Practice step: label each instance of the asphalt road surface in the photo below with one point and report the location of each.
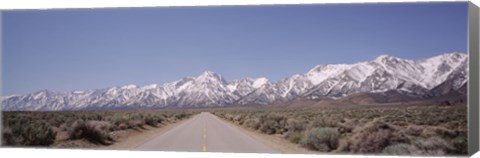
(206, 132)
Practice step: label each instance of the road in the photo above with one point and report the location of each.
(206, 132)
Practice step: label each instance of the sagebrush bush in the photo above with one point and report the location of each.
(238, 119)
(151, 120)
(252, 123)
(392, 129)
(433, 146)
(38, 128)
(401, 149)
(57, 121)
(294, 136)
(294, 125)
(321, 139)
(273, 123)
(371, 138)
(323, 122)
(7, 137)
(94, 131)
(36, 133)
(180, 116)
(135, 124)
(39, 133)
(413, 130)
(460, 145)
(438, 131)
(118, 119)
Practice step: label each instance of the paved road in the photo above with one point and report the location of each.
(206, 132)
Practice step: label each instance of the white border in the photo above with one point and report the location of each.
(74, 153)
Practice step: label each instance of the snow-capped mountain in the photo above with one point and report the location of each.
(424, 78)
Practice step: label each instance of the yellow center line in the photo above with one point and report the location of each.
(204, 149)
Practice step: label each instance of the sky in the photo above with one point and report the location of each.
(78, 49)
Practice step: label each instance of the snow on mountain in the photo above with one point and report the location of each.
(265, 94)
(208, 89)
(260, 82)
(422, 78)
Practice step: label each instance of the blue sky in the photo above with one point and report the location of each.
(64, 50)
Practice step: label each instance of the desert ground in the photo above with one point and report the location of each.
(436, 129)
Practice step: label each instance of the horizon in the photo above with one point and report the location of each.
(82, 49)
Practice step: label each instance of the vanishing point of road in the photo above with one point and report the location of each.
(206, 132)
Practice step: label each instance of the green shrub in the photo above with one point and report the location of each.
(321, 139)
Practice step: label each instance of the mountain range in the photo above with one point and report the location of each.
(386, 76)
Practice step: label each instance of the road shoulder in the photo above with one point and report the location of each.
(134, 139)
(274, 141)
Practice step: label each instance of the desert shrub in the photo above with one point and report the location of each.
(228, 117)
(134, 124)
(269, 126)
(460, 145)
(373, 137)
(401, 149)
(161, 119)
(238, 119)
(39, 133)
(321, 139)
(346, 126)
(35, 133)
(252, 123)
(294, 136)
(413, 130)
(94, 131)
(295, 125)
(273, 123)
(433, 131)
(57, 120)
(7, 137)
(122, 126)
(323, 122)
(118, 119)
(63, 127)
(433, 146)
(180, 115)
(38, 128)
(392, 129)
(151, 120)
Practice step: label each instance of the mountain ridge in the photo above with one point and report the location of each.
(424, 78)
